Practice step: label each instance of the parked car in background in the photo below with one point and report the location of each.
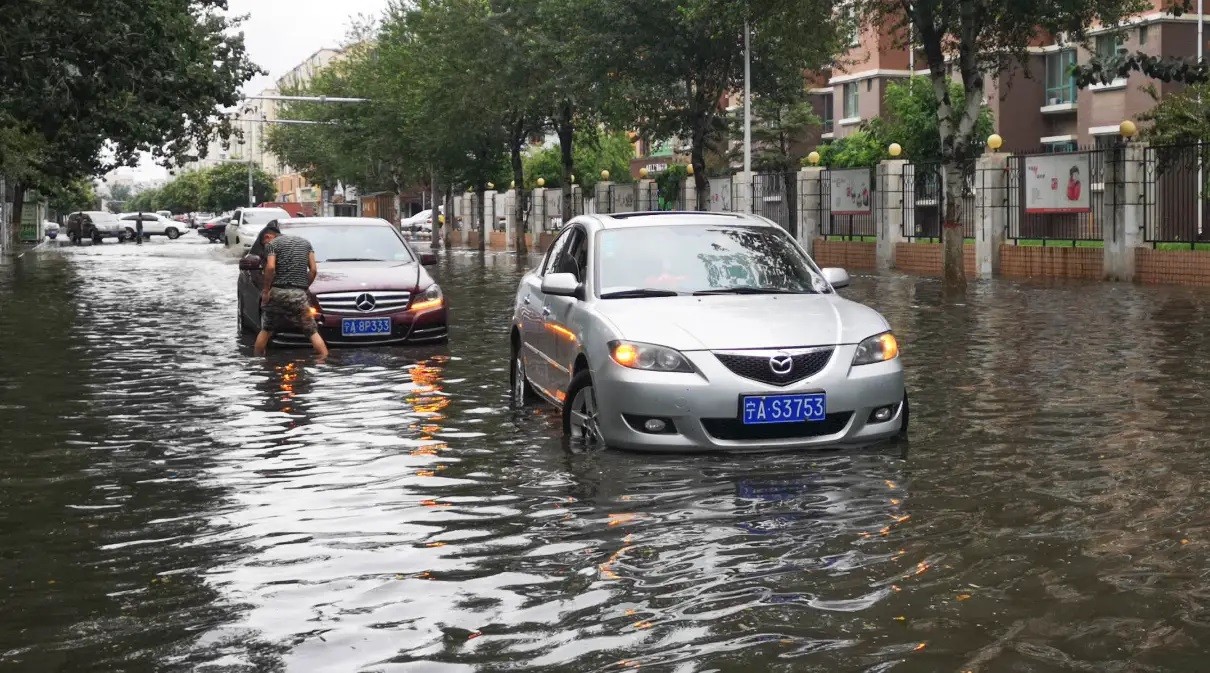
(372, 286)
(94, 225)
(701, 331)
(154, 224)
(247, 223)
(421, 222)
(166, 214)
(50, 230)
(214, 229)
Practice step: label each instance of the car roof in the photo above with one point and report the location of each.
(663, 218)
(272, 208)
(344, 221)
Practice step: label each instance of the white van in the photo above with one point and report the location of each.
(246, 224)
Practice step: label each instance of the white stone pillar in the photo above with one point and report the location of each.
(810, 205)
(888, 213)
(510, 217)
(741, 192)
(646, 200)
(538, 212)
(991, 209)
(1123, 209)
(689, 193)
(603, 192)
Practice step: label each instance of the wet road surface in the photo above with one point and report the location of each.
(170, 503)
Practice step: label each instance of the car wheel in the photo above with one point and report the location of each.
(580, 414)
(97, 239)
(522, 392)
(172, 233)
(241, 321)
(129, 234)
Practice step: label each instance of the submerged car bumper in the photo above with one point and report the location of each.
(427, 327)
(703, 410)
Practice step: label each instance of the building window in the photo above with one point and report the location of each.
(828, 112)
(1108, 45)
(1060, 147)
(1060, 82)
(850, 100)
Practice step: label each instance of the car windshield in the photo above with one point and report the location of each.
(705, 259)
(335, 243)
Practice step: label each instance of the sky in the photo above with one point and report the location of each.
(279, 34)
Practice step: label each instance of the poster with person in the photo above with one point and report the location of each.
(1057, 183)
(850, 191)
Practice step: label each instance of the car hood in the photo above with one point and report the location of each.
(727, 322)
(352, 276)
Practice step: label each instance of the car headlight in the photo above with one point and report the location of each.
(430, 298)
(648, 357)
(878, 348)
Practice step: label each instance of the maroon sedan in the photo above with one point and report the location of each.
(372, 286)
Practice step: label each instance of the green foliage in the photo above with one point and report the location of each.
(1179, 118)
(592, 153)
(85, 86)
(778, 124)
(188, 193)
(856, 150)
(668, 183)
(913, 119)
(75, 195)
(227, 187)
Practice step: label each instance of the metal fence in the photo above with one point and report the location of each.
(1175, 194)
(1029, 222)
(856, 226)
(923, 205)
(772, 199)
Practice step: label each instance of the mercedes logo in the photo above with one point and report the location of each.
(365, 302)
(781, 364)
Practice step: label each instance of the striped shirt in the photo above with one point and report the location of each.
(293, 256)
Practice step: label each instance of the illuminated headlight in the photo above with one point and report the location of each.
(648, 357)
(878, 348)
(430, 298)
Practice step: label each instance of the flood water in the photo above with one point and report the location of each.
(170, 503)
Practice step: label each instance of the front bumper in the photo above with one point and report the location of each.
(704, 407)
(428, 327)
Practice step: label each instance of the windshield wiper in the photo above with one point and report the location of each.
(640, 292)
(353, 259)
(747, 290)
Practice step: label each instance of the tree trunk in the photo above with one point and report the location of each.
(481, 215)
(449, 212)
(566, 130)
(953, 264)
(521, 196)
(701, 183)
(397, 204)
(434, 196)
(790, 198)
(14, 228)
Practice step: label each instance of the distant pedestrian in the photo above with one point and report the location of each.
(138, 229)
(290, 268)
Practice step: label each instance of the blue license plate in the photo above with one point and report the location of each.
(364, 326)
(762, 409)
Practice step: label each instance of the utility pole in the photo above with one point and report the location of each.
(748, 99)
(251, 194)
(1201, 183)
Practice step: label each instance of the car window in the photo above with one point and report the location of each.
(703, 258)
(573, 257)
(353, 243)
(264, 216)
(552, 256)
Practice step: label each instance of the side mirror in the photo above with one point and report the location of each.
(428, 259)
(560, 285)
(837, 277)
(250, 263)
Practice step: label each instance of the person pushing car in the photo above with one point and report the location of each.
(290, 268)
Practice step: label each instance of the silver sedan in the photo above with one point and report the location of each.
(701, 332)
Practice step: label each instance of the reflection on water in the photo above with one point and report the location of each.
(171, 503)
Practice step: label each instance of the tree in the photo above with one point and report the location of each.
(778, 126)
(83, 88)
(912, 120)
(185, 194)
(593, 153)
(1181, 118)
(228, 187)
(75, 195)
(976, 39)
(677, 60)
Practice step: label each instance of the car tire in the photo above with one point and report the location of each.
(580, 411)
(96, 239)
(521, 391)
(241, 320)
(129, 234)
(172, 233)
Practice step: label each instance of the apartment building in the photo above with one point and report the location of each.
(1037, 106)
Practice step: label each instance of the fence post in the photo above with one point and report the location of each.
(888, 216)
(645, 201)
(741, 194)
(510, 217)
(991, 212)
(810, 205)
(603, 192)
(489, 215)
(1124, 174)
(538, 211)
(689, 193)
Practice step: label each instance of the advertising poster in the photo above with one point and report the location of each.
(720, 195)
(851, 192)
(1057, 183)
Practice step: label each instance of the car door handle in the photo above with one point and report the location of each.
(546, 312)
(525, 301)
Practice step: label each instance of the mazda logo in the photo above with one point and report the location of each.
(365, 302)
(781, 364)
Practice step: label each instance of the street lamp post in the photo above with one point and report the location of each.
(748, 98)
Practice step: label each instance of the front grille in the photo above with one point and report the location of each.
(346, 303)
(757, 366)
(734, 428)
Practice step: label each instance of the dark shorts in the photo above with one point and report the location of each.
(288, 309)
